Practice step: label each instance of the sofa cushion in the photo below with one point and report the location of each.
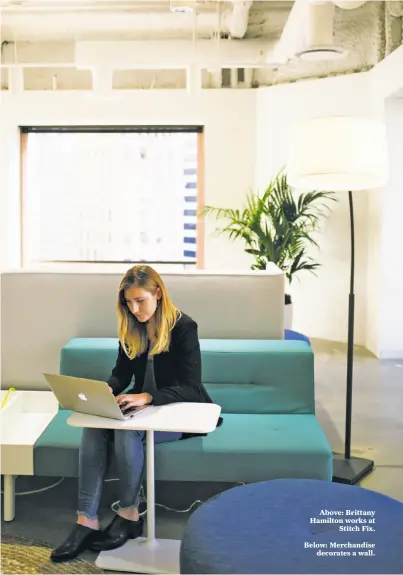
(242, 376)
(56, 450)
(246, 448)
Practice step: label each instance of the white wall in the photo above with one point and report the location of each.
(373, 274)
(391, 302)
(228, 116)
(321, 302)
(384, 280)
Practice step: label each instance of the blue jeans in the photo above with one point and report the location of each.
(97, 447)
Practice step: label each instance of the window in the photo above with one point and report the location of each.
(111, 195)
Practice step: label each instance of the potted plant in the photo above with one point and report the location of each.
(278, 227)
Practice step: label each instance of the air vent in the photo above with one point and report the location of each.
(321, 53)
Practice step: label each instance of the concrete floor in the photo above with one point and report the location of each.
(377, 421)
(377, 433)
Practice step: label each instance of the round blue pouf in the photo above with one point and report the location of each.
(266, 528)
(291, 334)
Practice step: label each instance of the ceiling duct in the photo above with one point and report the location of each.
(319, 34)
(59, 24)
(25, 20)
(308, 32)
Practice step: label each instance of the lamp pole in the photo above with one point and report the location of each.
(349, 469)
(350, 337)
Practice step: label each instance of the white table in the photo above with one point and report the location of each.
(151, 555)
(24, 418)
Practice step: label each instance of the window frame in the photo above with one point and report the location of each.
(200, 224)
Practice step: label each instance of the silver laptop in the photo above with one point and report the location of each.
(87, 396)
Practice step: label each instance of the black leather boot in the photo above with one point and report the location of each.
(117, 533)
(77, 542)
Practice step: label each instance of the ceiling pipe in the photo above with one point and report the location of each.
(88, 25)
(239, 19)
(23, 17)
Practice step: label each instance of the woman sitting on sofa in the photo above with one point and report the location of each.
(150, 327)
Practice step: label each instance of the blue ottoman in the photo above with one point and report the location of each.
(291, 334)
(270, 527)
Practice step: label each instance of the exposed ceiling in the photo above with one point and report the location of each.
(79, 44)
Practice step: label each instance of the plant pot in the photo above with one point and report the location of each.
(288, 312)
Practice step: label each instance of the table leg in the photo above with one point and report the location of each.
(150, 487)
(145, 555)
(9, 497)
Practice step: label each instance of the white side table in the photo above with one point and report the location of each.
(24, 418)
(151, 555)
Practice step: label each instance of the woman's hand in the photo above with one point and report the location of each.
(131, 400)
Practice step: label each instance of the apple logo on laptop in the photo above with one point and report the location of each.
(82, 396)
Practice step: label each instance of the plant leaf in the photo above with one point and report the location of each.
(277, 227)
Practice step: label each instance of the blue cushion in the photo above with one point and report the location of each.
(266, 528)
(296, 336)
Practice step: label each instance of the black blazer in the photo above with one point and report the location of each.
(177, 371)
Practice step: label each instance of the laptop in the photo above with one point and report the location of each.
(88, 396)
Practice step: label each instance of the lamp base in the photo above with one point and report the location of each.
(351, 470)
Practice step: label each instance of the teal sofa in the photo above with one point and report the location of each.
(266, 392)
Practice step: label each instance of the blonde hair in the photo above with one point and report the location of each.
(133, 334)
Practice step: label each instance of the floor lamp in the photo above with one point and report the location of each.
(341, 154)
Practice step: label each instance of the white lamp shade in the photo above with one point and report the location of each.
(338, 154)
